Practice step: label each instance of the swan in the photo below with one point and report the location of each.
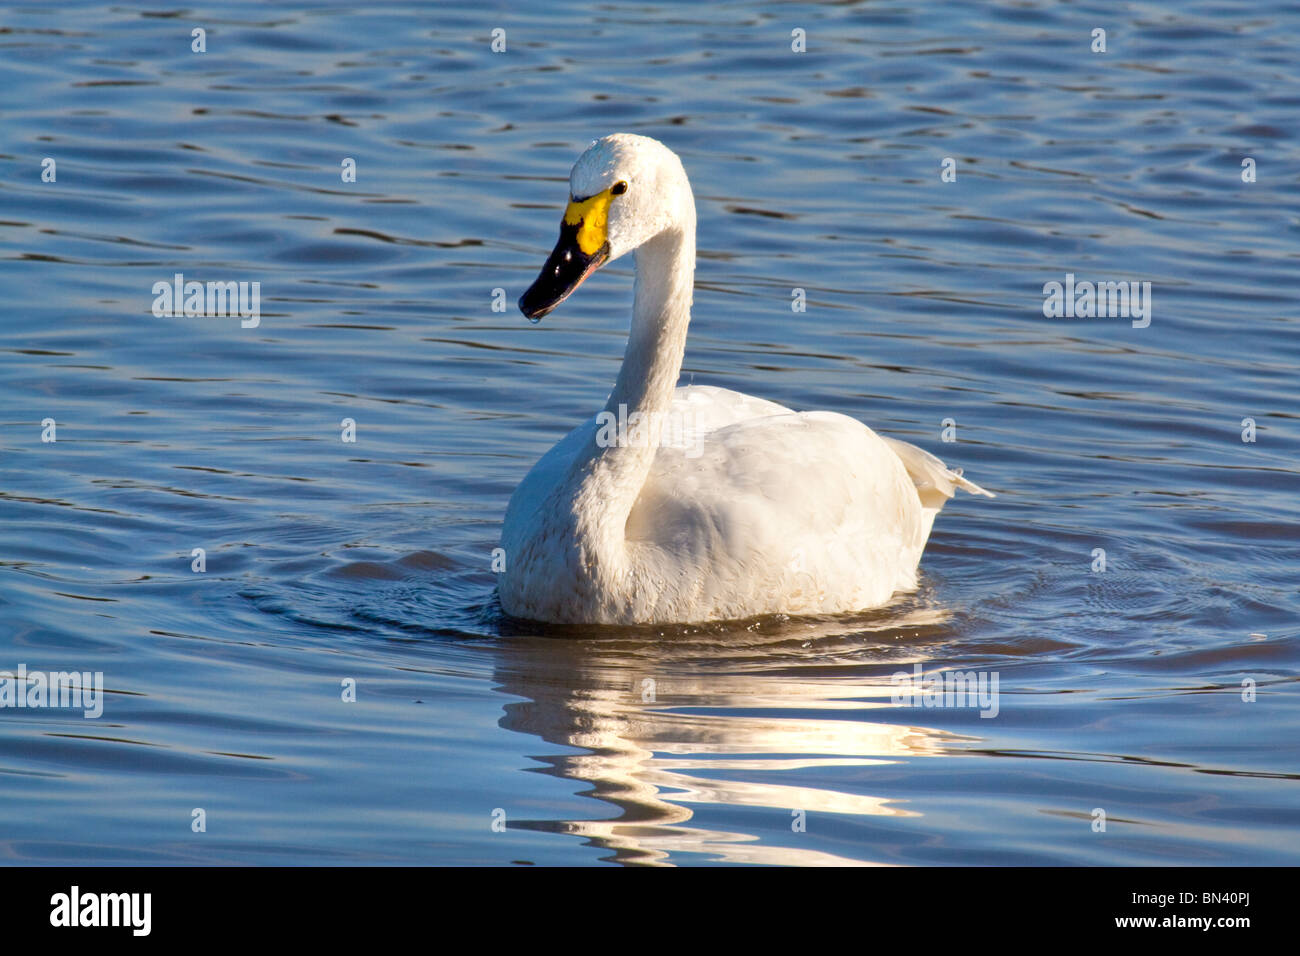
(694, 504)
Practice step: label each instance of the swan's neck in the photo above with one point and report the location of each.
(661, 311)
(615, 472)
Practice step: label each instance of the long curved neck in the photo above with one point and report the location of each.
(661, 312)
(619, 458)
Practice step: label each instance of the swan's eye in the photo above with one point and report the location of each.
(618, 189)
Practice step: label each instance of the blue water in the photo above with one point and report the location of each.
(768, 741)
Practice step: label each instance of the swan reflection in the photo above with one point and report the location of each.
(667, 724)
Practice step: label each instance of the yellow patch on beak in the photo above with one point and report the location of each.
(590, 216)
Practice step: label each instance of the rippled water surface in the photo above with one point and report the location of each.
(768, 741)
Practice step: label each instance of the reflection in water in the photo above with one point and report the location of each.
(656, 716)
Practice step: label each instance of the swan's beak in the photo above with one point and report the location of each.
(582, 249)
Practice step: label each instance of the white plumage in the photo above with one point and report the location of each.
(713, 505)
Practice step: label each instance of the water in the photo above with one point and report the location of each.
(326, 561)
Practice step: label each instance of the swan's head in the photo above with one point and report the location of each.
(624, 191)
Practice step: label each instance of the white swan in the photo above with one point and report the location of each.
(694, 504)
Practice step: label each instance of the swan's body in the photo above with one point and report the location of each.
(707, 504)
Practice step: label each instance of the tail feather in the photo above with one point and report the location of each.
(935, 482)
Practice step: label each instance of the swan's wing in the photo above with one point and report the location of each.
(707, 408)
(769, 486)
(813, 506)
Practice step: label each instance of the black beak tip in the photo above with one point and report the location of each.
(534, 311)
(566, 269)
